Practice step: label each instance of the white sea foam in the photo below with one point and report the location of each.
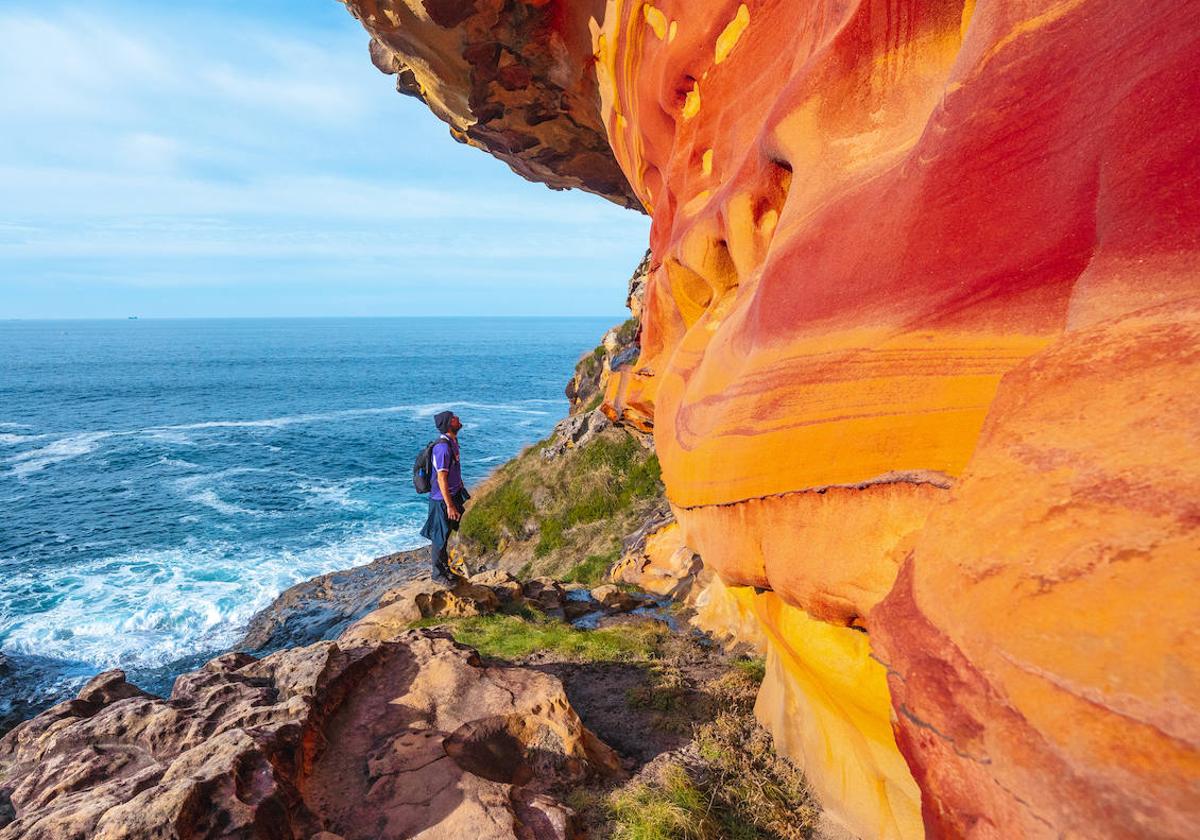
(9, 439)
(187, 483)
(150, 608)
(177, 463)
(417, 411)
(172, 436)
(63, 449)
(332, 494)
(424, 411)
(209, 498)
(81, 443)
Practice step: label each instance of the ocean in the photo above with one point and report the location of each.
(163, 480)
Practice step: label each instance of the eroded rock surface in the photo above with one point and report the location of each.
(322, 607)
(411, 737)
(916, 267)
(506, 76)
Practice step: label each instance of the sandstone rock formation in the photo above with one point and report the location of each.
(400, 607)
(618, 351)
(410, 737)
(917, 351)
(505, 76)
(658, 560)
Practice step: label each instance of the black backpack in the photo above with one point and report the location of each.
(423, 466)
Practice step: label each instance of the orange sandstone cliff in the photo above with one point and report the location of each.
(920, 355)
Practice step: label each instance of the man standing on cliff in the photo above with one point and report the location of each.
(447, 496)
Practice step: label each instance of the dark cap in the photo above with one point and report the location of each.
(442, 421)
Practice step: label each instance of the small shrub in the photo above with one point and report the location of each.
(645, 479)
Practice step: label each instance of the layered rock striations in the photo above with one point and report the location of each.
(918, 352)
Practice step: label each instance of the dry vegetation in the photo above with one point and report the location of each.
(712, 772)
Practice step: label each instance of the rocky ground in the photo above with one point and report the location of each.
(574, 712)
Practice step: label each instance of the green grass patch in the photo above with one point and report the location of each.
(592, 363)
(507, 508)
(631, 476)
(594, 505)
(754, 667)
(550, 537)
(675, 809)
(593, 569)
(587, 499)
(511, 637)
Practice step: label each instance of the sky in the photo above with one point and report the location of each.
(246, 159)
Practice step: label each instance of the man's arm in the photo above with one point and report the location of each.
(443, 480)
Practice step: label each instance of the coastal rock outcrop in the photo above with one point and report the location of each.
(322, 607)
(410, 737)
(916, 351)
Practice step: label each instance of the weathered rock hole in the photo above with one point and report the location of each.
(516, 749)
(492, 748)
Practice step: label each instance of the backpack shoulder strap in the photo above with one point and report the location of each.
(450, 447)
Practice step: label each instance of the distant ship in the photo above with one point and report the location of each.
(133, 317)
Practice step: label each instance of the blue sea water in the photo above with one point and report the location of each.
(161, 481)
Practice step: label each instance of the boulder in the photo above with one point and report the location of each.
(547, 595)
(400, 607)
(658, 560)
(576, 607)
(408, 738)
(506, 587)
(614, 599)
(435, 600)
(575, 431)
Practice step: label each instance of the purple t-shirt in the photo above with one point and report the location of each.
(442, 460)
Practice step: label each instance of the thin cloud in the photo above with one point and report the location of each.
(143, 146)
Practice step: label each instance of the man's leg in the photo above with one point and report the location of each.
(439, 555)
